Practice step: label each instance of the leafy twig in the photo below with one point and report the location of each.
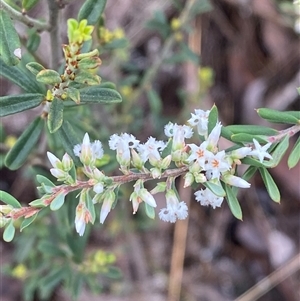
(30, 22)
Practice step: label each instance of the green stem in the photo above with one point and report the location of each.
(54, 34)
(30, 22)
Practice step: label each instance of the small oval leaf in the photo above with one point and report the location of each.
(58, 202)
(34, 67)
(9, 232)
(150, 212)
(55, 116)
(27, 221)
(216, 188)
(26, 142)
(9, 199)
(12, 104)
(48, 77)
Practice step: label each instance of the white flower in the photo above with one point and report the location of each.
(199, 154)
(260, 152)
(109, 198)
(206, 198)
(174, 210)
(235, 181)
(217, 163)
(55, 162)
(214, 136)
(200, 119)
(151, 150)
(82, 217)
(122, 145)
(88, 152)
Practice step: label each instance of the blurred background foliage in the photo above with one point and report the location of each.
(240, 55)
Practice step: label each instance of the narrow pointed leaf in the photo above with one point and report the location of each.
(12, 104)
(251, 129)
(91, 10)
(233, 203)
(9, 199)
(9, 232)
(212, 119)
(27, 221)
(270, 185)
(69, 139)
(21, 77)
(277, 116)
(294, 156)
(10, 46)
(278, 153)
(99, 95)
(29, 4)
(26, 142)
(55, 117)
(91, 207)
(248, 138)
(58, 202)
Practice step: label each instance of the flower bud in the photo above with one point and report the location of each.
(188, 179)
(155, 173)
(109, 198)
(147, 197)
(160, 187)
(67, 162)
(166, 162)
(200, 178)
(136, 159)
(235, 181)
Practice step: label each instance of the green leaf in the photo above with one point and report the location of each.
(50, 249)
(35, 68)
(48, 77)
(27, 221)
(252, 162)
(226, 133)
(58, 201)
(9, 199)
(12, 104)
(74, 94)
(55, 116)
(251, 129)
(113, 272)
(277, 116)
(212, 118)
(154, 102)
(87, 78)
(92, 11)
(294, 156)
(10, 46)
(99, 95)
(29, 4)
(20, 77)
(278, 153)
(270, 185)
(233, 203)
(69, 139)
(200, 7)
(150, 212)
(33, 41)
(248, 138)
(9, 232)
(215, 187)
(43, 180)
(26, 142)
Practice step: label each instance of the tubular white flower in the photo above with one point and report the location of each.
(55, 162)
(200, 119)
(260, 152)
(199, 154)
(151, 150)
(206, 198)
(235, 181)
(109, 199)
(174, 210)
(82, 217)
(214, 136)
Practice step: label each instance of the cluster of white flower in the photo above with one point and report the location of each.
(203, 163)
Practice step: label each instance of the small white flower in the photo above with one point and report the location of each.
(200, 119)
(206, 198)
(217, 164)
(109, 199)
(151, 150)
(174, 210)
(260, 152)
(235, 181)
(82, 217)
(214, 136)
(199, 154)
(98, 188)
(55, 162)
(179, 133)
